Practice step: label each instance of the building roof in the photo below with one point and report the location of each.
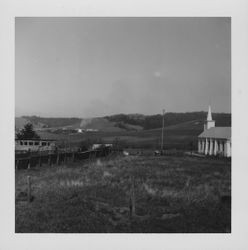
(34, 139)
(217, 132)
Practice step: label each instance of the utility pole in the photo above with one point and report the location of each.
(162, 139)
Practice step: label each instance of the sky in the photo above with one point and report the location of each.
(88, 67)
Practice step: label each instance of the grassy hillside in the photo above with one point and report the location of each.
(99, 123)
(21, 121)
(132, 130)
(53, 122)
(155, 121)
(176, 136)
(125, 122)
(172, 194)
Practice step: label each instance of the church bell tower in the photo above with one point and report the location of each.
(209, 123)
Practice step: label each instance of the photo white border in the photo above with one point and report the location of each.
(237, 10)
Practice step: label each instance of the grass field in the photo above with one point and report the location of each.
(172, 194)
(177, 136)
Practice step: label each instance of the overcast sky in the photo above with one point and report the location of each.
(86, 67)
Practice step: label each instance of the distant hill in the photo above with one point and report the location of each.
(21, 121)
(53, 122)
(155, 121)
(99, 123)
(177, 136)
(125, 122)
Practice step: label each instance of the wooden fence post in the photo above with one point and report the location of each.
(132, 199)
(57, 161)
(61, 158)
(17, 164)
(50, 160)
(65, 158)
(29, 188)
(40, 161)
(29, 162)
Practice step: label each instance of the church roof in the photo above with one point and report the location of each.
(217, 132)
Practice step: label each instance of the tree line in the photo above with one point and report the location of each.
(154, 121)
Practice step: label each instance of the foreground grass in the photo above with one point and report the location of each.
(172, 194)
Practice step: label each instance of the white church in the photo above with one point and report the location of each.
(214, 140)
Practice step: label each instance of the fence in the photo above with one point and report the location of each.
(56, 158)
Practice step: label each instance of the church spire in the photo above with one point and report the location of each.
(209, 123)
(209, 118)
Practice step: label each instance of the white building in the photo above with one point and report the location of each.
(98, 146)
(214, 140)
(34, 145)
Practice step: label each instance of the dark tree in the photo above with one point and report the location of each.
(27, 133)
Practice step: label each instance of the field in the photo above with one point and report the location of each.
(165, 194)
(178, 136)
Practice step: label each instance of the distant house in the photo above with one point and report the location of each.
(97, 146)
(34, 145)
(214, 140)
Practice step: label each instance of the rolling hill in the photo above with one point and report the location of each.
(21, 121)
(127, 123)
(178, 136)
(99, 123)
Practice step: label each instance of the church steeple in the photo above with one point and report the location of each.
(209, 123)
(209, 118)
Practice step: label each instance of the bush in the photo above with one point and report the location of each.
(27, 133)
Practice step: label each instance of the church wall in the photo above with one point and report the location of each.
(211, 146)
(228, 149)
(215, 147)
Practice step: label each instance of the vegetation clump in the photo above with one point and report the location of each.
(27, 133)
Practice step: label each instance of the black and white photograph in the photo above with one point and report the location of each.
(123, 125)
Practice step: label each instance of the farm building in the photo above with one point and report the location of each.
(98, 146)
(214, 140)
(34, 145)
(79, 130)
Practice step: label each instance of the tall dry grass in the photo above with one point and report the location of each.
(88, 197)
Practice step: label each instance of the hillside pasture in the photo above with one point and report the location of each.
(177, 136)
